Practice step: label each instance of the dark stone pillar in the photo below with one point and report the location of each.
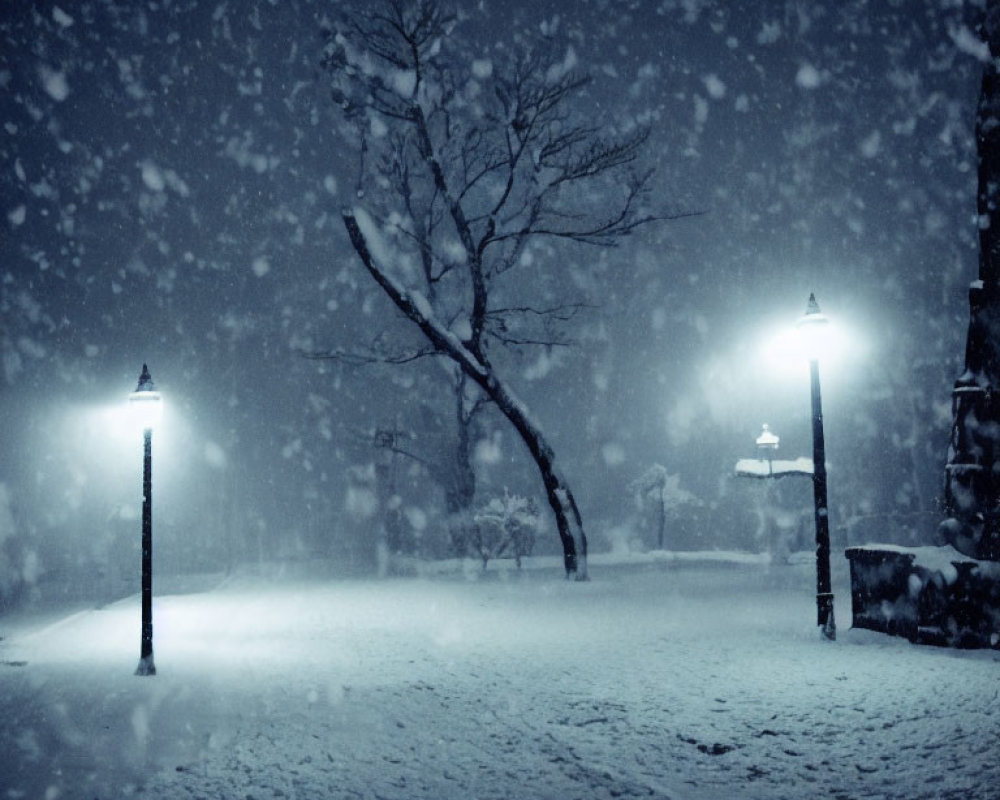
(972, 476)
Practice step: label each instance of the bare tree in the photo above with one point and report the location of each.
(469, 161)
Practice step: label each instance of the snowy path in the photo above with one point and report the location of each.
(666, 682)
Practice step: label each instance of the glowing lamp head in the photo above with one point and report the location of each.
(814, 338)
(145, 402)
(814, 330)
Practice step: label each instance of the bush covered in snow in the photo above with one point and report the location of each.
(505, 526)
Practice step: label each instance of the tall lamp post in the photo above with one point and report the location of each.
(146, 405)
(812, 325)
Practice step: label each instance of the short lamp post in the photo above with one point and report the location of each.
(812, 325)
(146, 405)
(767, 446)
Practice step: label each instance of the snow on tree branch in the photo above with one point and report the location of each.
(413, 304)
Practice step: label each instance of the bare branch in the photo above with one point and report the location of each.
(442, 341)
(362, 358)
(563, 312)
(600, 156)
(605, 231)
(522, 326)
(511, 340)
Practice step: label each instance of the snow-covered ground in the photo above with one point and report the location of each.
(665, 679)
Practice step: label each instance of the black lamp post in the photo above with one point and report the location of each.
(812, 324)
(146, 405)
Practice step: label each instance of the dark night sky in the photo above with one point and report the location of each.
(171, 182)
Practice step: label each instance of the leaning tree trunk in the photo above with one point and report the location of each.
(560, 497)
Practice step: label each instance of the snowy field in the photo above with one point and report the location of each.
(662, 680)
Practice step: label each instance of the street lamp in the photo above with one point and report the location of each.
(813, 326)
(766, 465)
(767, 446)
(146, 406)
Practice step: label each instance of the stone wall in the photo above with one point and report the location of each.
(930, 595)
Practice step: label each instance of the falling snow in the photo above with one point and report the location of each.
(174, 178)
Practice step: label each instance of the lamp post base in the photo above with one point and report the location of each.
(146, 666)
(826, 622)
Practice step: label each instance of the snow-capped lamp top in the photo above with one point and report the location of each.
(145, 381)
(145, 402)
(812, 307)
(767, 441)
